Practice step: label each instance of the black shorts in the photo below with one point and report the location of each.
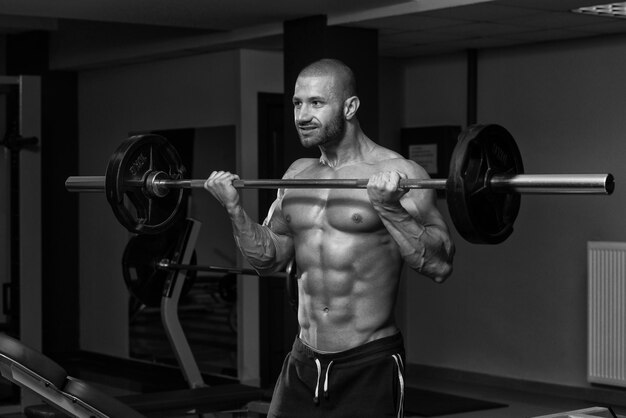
(366, 381)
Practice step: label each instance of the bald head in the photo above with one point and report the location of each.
(344, 80)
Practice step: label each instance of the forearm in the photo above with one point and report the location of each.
(426, 248)
(260, 246)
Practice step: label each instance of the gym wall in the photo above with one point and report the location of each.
(197, 91)
(515, 310)
(519, 309)
(113, 103)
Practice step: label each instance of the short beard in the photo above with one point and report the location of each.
(333, 132)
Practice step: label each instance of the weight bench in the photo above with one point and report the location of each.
(34, 371)
(593, 412)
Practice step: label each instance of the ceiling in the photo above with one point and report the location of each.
(406, 29)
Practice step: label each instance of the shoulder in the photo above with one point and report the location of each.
(299, 166)
(391, 160)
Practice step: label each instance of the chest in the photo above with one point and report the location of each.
(346, 210)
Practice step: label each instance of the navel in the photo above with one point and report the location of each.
(288, 218)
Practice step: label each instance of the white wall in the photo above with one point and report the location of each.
(519, 309)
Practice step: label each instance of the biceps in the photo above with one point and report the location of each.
(279, 230)
(284, 246)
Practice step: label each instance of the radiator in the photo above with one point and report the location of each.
(607, 313)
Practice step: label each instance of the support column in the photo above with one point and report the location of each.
(309, 39)
(27, 54)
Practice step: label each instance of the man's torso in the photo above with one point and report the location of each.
(348, 263)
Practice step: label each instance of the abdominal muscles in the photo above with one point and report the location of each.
(348, 267)
(347, 287)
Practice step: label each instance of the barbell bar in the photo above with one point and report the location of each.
(521, 183)
(145, 184)
(149, 261)
(166, 264)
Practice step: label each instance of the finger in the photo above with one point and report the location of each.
(208, 184)
(209, 181)
(389, 181)
(376, 181)
(394, 178)
(219, 178)
(223, 176)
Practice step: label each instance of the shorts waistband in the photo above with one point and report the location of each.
(393, 344)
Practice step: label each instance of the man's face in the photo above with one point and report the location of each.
(318, 111)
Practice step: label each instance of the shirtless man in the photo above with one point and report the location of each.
(349, 246)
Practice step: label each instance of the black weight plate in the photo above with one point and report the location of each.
(480, 215)
(139, 266)
(125, 179)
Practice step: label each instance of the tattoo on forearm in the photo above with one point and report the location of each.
(256, 242)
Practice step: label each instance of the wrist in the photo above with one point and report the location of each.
(233, 209)
(388, 206)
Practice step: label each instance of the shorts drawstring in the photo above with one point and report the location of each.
(326, 380)
(400, 365)
(316, 399)
(377, 352)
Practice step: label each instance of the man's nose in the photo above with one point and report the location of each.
(303, 114)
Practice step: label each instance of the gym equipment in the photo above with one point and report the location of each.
(480, 215)
(592, 412)
(38, 373)
(184, 236)
(32, 370)
(144, 184)
(290, 274)
(51, 382)
(166, 264)
(176, 262)
(132, 163)
(148, 263)
(226, 285)
(143, 276)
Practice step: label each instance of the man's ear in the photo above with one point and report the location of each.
(350, 107)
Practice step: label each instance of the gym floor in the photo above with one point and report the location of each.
(123, 379)
(147, 337)
(519, 404)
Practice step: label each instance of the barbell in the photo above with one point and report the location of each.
(149, 260)
(145, 184)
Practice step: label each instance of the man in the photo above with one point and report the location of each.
(349, 246)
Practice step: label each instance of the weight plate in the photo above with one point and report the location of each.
(143, 278)
(480, 215)
(125, 180)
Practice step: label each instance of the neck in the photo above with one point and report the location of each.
(350, 149)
